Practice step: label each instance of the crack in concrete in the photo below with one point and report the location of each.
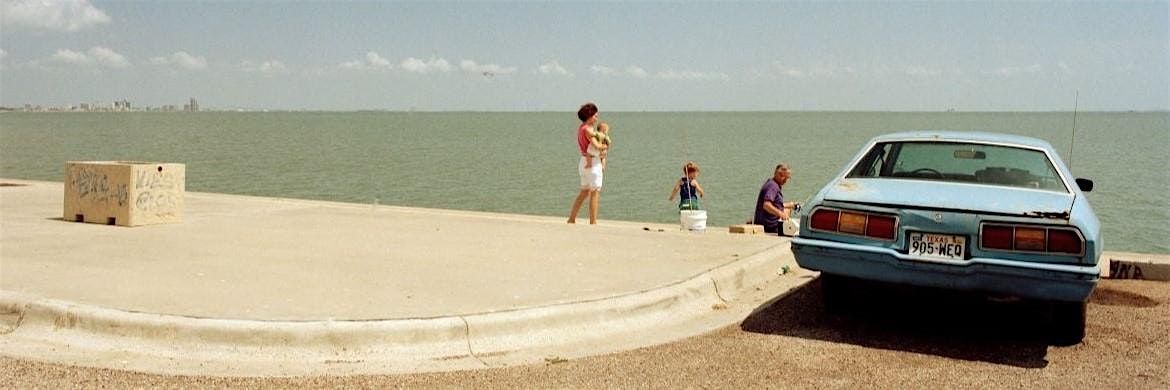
(717, 293)
(467, 337)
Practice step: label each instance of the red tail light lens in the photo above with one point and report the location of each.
(858, 223)
(881, 226)
(996, 237)
(825, 219)
(1064, 241)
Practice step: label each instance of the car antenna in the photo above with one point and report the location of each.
(1072, 143)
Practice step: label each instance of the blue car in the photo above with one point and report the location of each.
(988, 213)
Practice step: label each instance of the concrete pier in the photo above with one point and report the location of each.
(262, 286)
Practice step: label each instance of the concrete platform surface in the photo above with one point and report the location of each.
(263, 286)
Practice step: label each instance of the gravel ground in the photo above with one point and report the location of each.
(895, 338)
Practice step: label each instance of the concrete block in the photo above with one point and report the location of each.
(746, 229)
(124, 193)
(1128, 265)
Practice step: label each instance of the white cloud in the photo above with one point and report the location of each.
(830, 71)
(1012, 71)
(419, 66)
(56, 15)
(690, 75)
(183, 60)
(373, 60)
(485, 69)
(3, 53)
(787, 71)
(632, 70)
(670, 74)
(108, 57)
(553, 68)
(816, 71)
(603, 70)
(636, 71)
(67, 56)
(96, 55)
(376, 60)
(267, 68)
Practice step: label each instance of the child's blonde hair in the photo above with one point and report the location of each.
(691, 166)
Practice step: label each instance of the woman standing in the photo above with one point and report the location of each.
(589, 168)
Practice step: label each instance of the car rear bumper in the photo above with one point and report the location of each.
(1054, 282)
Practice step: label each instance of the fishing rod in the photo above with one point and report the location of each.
(1073, 142)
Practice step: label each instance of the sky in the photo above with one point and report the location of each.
(554, 56)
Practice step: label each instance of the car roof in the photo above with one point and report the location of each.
(975, 136)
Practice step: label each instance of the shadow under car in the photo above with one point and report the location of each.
(903, 318)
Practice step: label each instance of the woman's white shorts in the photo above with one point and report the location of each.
(590, 178)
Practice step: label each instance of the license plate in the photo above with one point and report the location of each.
(937, 246)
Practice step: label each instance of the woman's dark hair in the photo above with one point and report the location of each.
(587, 111)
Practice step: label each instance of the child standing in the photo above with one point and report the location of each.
(688, 188)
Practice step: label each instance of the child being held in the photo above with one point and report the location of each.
(688, 188)
(597, 139)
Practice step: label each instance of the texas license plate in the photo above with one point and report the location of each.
(937, 246)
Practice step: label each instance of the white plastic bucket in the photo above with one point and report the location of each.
(693, 220)
(790, 227)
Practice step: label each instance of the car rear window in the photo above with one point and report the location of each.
(996, 165)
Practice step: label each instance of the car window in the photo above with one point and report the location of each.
(960, 162)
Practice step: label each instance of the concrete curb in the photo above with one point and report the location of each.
(1129, 265)
(603, 319)
(250, 347)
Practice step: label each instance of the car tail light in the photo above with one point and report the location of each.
(880, 226)
(825, 219)
(1030, 238)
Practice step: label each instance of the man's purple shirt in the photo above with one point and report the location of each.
(771, 192)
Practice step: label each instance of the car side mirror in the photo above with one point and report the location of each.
(1086, 185)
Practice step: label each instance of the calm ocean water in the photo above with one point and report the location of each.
(526, 162)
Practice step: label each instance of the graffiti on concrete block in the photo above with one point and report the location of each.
(156, 191)
(150, 180)
(94, 186)
(156, 200)
(88, 181)
(121, 195)
(1123, 270)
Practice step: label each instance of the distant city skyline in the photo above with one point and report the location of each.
(553, 56)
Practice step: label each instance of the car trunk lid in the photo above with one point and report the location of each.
(928, 194)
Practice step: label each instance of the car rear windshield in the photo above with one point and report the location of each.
(960, 162)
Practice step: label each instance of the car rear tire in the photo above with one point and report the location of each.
(1068, 323)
